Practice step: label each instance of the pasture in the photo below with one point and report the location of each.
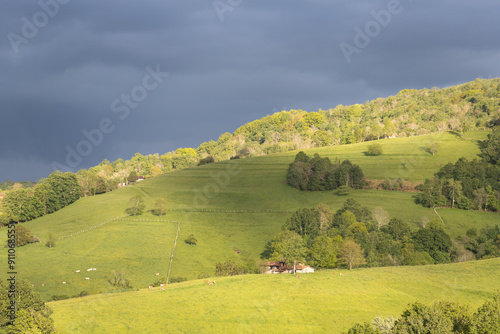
(323, 302)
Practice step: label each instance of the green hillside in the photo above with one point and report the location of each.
(323, 302)
(238, 204)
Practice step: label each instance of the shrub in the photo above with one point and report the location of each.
(59, 297)
(191, 240)
(204, 275)
(343, 190)
(374, 149)
(51, 241)
(206, 160)
(178, 279)
(24, 236)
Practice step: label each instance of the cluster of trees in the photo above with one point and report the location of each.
(317, 173)
(137, 205)
(410, 112)
(49, 195)
(467, 184)
(484, 244)
(354, 236)
(33, 316)
(11, 185)
(440, 317)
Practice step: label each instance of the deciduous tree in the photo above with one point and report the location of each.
(351, 254)
(160, 207)
(381, 217)
(323, 253)
(136, 205)
(491, 150)
(288, 246)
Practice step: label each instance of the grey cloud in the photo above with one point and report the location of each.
(263, 57)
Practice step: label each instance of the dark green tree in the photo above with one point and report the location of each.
(132, 177)
(305, 222)
(491, 150)
(398, 229)
(434, 241)
(63, 190)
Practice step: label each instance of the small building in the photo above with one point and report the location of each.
(140, 178)
(281, 267)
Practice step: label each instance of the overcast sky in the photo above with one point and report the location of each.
(152, 76)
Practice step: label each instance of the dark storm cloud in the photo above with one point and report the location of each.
(262, 57)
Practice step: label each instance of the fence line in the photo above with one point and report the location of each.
(173, 249)
(229, 211)
(90, 228)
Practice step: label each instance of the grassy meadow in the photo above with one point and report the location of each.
(238, 204)
(323, 302)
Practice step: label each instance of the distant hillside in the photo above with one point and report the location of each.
(470, 106)
(473, 105)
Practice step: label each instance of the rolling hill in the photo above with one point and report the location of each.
(231, 205)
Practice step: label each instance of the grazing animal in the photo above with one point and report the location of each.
(150, 287)
(162, 286)
(77, 271)
(87, 278)
(157, 274)
(90, 269)
(341, 274)
(94, 269)
(64, 282)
